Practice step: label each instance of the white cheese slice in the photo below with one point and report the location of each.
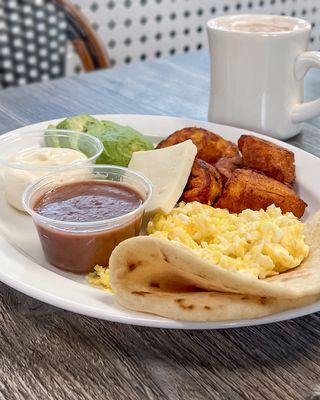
(168, 169)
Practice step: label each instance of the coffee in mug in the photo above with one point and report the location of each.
(258, 63)
(257, 26)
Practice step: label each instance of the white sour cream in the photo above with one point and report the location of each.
(37, 162)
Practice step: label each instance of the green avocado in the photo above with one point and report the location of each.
(119, 141)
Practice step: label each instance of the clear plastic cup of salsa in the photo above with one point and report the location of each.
(78, 245)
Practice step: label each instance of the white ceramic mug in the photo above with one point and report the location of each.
(257, 77)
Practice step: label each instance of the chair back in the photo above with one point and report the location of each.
(32, 42)
(34, 36)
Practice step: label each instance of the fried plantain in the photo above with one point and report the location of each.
(269, 158)
(249, 189)
(211, 147)
(204, 184)
(227, 165)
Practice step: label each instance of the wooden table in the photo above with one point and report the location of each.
(48, 353)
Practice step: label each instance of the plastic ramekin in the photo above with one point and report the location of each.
(16, 176)
(79, 246)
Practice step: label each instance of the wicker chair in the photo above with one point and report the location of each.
(34, 36)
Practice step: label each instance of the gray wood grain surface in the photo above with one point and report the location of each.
(48, 353)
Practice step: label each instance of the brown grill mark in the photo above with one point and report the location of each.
(154, 285)
(140, 293)
(179, 300)
(207, 308)
(132, 267)
(263, 300)
(182, 305)
(165, 258)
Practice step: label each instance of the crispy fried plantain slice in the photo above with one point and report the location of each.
(210, 146)
(227, 165)
(204, 184)
(269, 158)
(250, 189)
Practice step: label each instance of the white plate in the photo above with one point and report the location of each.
(23, 266)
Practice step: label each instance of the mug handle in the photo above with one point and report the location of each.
(305, 111)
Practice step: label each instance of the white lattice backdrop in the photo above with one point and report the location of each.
(138, 30)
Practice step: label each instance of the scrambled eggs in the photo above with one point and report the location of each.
(100, 277)
(261, 243)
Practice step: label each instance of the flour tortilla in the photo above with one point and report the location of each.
(157, 276)
(207, 306)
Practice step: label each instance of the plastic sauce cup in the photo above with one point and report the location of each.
(16, 176)
(79, 246)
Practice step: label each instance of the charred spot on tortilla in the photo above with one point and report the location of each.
(244, 297)
(140, 293)
(207, 308)
(132, 267)
(178, 300)
(154, 285)
(181, 304)
(164, 256)
(263, 300)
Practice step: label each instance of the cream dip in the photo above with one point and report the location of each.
(31, 164)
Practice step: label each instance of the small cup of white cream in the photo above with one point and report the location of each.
(26, 157)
